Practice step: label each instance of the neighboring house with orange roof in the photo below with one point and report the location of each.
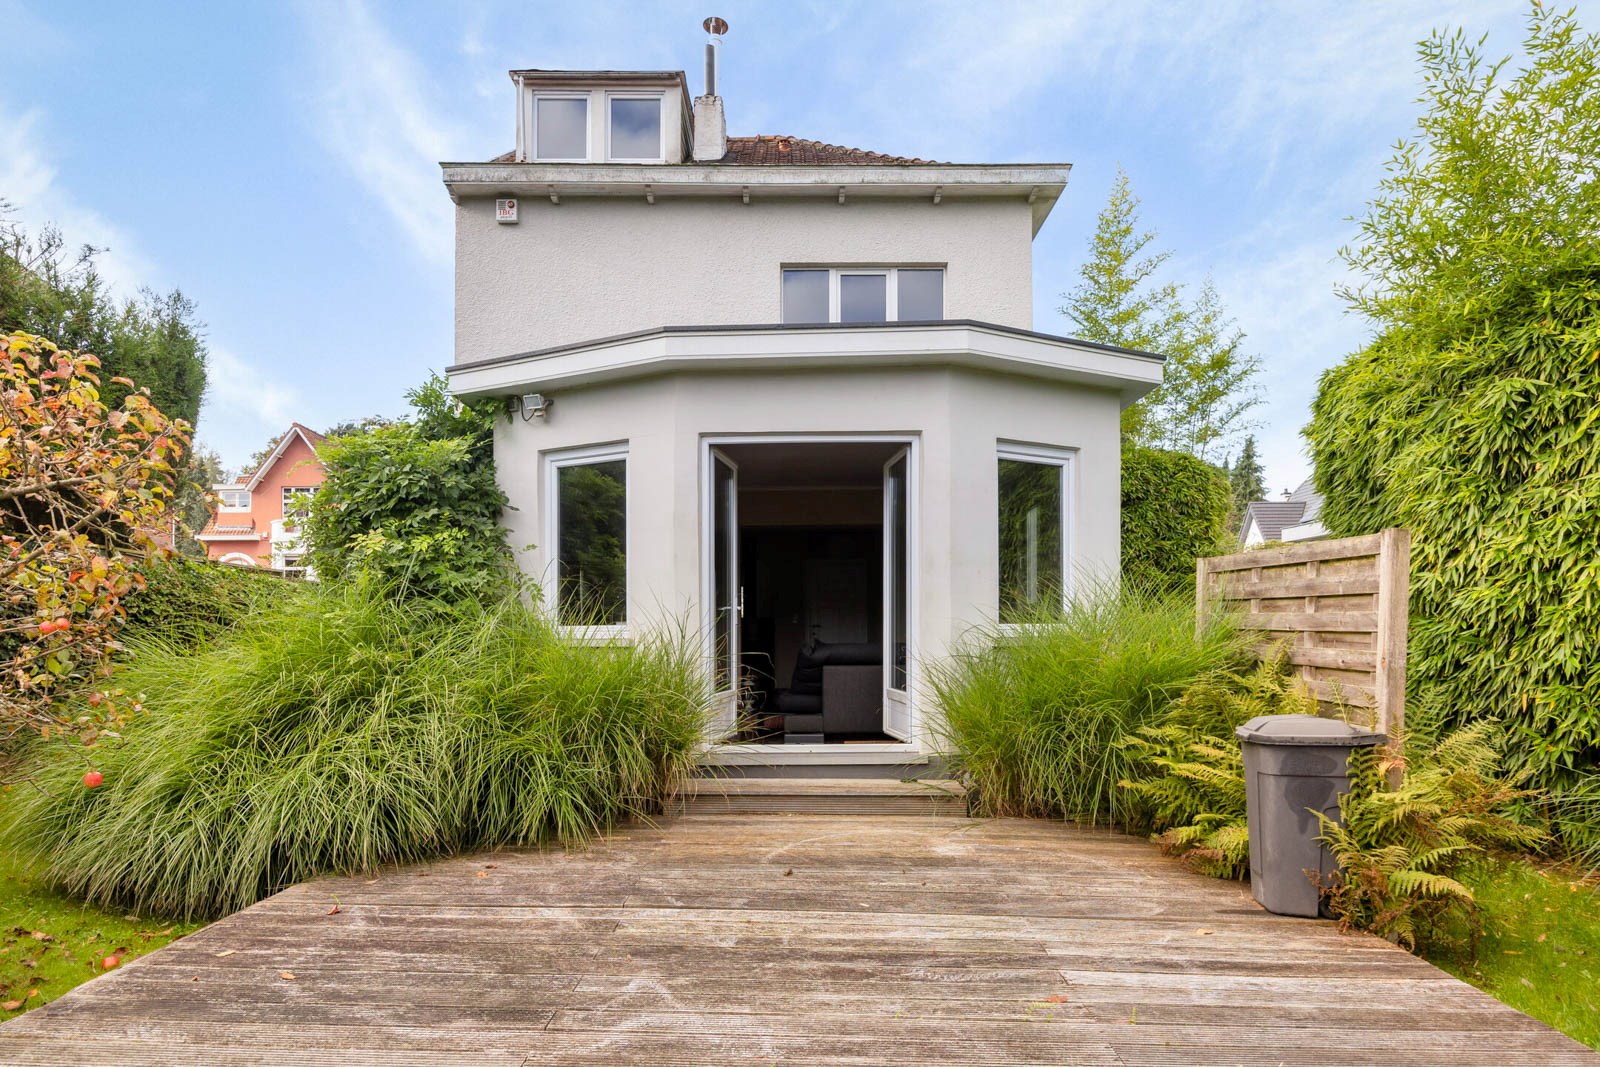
(258, 521)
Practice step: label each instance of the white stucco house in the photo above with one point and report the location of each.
(785, 392)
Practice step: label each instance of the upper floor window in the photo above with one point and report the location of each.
(233, 499)
(297, 501)
(561, 128)
(635, 128)
(863, 294)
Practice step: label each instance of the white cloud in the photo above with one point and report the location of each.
(244, 406)
(30, 182)
(372, 113)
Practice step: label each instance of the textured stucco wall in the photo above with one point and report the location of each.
(957, 416)
(595, 267)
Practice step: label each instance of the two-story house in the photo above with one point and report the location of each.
(787, 391)
(258, 519)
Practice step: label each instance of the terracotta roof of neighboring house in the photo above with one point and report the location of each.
(770, 149)
(216, 529)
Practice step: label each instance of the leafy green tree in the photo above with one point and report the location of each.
(415, 503)
(193, 503)
(1121, 300)
(49, 290)
(1472, 417)
(1246, 479)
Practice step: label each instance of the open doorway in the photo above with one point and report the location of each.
(809, 556)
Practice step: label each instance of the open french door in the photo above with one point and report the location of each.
(897, 595)
(727, 597)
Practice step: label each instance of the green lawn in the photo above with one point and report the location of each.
(1541, 947)
(50, 943)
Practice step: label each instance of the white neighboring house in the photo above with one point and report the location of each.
(784, 390)
(1294, 518)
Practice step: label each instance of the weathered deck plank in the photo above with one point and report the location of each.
(783, 939)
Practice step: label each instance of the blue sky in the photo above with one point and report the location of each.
(277, 162)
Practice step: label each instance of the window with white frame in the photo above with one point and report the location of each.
(587, 523)
(1035, 502)
(297, 501)
(561, 127)
(633, 128)
(233, 499)
(863, 294)
(294, 565)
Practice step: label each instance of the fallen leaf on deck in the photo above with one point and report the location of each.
(287, 976)
(370, 881)
(491, 866)
(335, 910)
(788, 872)
(1202, 931)
(1056, 998)
(225, 952)
(483, 874)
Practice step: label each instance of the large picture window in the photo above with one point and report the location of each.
(863, 294)
(589, 529)
(1035, 495)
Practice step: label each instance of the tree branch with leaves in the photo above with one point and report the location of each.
(85, 493)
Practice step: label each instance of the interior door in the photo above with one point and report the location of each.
(897, 595)
(727, 598)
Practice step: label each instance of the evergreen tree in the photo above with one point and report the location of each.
(49, 290)
(1247, 479)
(1120, 300)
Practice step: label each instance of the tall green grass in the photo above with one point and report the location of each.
(1034, 715)
(343, 729)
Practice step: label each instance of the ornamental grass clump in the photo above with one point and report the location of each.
(343, 729)
(1035, 713)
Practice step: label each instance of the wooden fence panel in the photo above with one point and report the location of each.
(1341, 608)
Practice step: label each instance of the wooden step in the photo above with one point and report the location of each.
(821, 796)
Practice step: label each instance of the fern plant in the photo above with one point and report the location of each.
(1190, 788)
(1402, 849)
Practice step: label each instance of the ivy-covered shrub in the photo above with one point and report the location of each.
(1174, 510)
(414, 504)
(1473, 419)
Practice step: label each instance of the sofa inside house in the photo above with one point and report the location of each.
(837, 689)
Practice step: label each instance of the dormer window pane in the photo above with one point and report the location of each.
(805, 296)
(921, 295)
(863, 298)
(636, 128)
(561, 128)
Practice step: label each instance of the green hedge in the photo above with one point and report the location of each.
(1483, 438)
(1174, 510)
(189, 601)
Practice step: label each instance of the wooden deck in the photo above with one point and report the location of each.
(736, 939)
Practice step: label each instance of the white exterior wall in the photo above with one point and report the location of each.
(958, 418)
(600, 266)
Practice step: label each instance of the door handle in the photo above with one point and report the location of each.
(741, 602)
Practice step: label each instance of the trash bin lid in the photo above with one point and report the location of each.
(1306, 730)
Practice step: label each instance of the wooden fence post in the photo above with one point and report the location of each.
(1200, 590)
(1394, 595)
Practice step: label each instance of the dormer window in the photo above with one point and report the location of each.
(863, 294)
(561, 128)
(635, 128)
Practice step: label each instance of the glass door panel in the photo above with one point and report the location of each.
(896, 595)
(725, 592)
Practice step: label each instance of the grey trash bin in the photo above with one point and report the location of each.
(1294, 765)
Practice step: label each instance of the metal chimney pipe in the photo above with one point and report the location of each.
(716, 27)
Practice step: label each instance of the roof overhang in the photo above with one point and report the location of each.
(674, 349)
(1040, 184)
(277, 454)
